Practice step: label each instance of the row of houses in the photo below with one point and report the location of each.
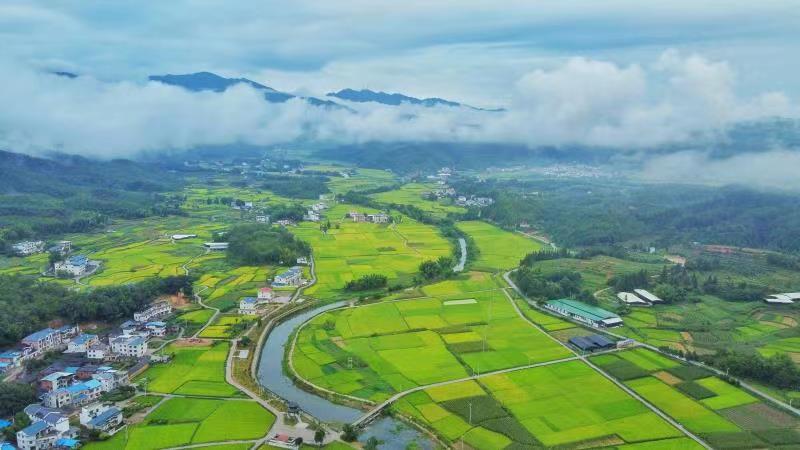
(291, 277)
(473, 201)
(74, 387)
(639, 297)
(37, 344)
(27, 248)
(374, 218)
(50, 427)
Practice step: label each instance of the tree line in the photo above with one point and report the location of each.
(27, 305)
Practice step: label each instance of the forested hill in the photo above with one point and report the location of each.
(583, 213)
(40, 197)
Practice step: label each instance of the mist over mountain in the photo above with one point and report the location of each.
(395, 99)
(207, 81)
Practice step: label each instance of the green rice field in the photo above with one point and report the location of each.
(193, 370)
(188, 421)
(373, 351)
(499, 249)
(566, 404)
(412, 194)
(357, 249)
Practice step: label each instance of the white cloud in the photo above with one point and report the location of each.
(776, 169)
(582, 101)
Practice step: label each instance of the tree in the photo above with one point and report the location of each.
(319, 436)
(14, 397)
(349, 433)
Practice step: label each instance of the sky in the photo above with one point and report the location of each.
(611, 73)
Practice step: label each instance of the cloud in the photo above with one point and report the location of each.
(776, 169)
(580, 102)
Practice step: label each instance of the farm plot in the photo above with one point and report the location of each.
(227, 326)
(373, 351)
(361, 180)
(187, 421)
(563, 404)
(223, 286)
(412, 194)
(724, 415)
(356, 249)
(193, 370)
(499, 249)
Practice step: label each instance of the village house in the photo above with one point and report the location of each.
(47, 340)
(111, 379)
(241, 205)
(247, 306)
(156, 328)
(26, 248)
(98, 351)
(47, 427)
(311, 216)
(265, 293)
(378, 218)
(56, 380)
(74, 395)
(262, 219)
(156, 310)
(74, 265)
(130, 346)
(10, 358)
(292, 277)
(61, 247)
(302, 260)
(357, 216)
(101, 417)
(81, 342)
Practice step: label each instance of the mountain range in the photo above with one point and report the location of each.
(207, 81)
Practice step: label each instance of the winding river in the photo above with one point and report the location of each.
(395, 434)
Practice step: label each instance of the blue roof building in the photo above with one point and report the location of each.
(78, 260)
(106, 418)
(7, 446)
(67, 443)
(35, 428)
(4, 424)
(39, 335)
